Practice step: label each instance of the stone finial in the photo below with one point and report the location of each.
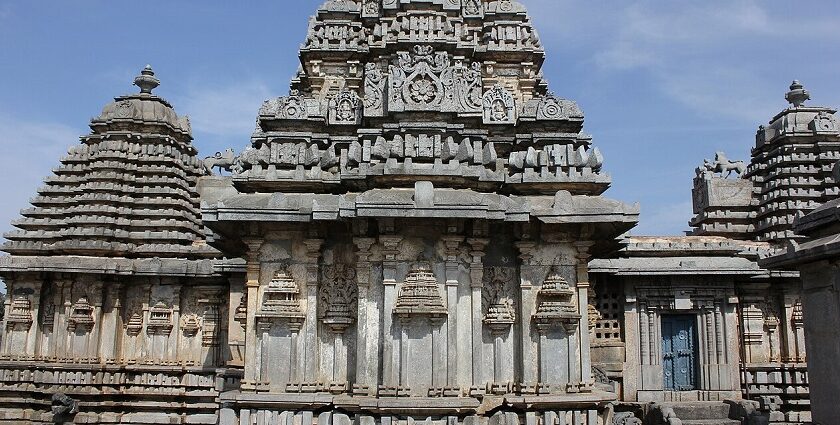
(797, 94)
(146, 80)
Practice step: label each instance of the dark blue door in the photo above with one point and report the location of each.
(678, 352)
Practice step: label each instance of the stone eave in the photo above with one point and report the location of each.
(635, 266)
(173, 267)
(812, 251)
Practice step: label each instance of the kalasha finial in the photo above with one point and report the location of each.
(146, 80)
(797, 94)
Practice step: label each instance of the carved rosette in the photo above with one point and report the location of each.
(419, 295)
(498, 295)
(280, 301)
(338, 296)
(426, 80)
(555, 304)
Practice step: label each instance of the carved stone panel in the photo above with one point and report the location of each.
(499, 106)
(375, 82)
(338, 297)
(345, 108)
(499, 297)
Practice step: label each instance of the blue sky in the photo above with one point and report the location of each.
(663, 83)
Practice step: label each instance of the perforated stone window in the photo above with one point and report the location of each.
(608, 302)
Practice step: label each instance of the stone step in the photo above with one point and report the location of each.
(699, 410)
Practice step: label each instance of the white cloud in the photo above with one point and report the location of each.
(224, 110)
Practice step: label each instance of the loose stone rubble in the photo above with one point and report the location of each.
(417, 232)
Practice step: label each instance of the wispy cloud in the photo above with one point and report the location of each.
(224, 110)
(709, 56)
(30, 151)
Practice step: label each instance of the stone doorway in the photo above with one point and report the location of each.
(679, 352)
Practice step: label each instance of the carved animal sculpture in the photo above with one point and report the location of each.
(722, 165)
(222, 161)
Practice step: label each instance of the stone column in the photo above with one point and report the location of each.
(583, 287)
(367, 324)
(111, 323)
(308, 353)
(390, 349)
(477, 245)
(528, 298)
(449, 338)
(252, 286)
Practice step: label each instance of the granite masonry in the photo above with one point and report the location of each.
(417, 232)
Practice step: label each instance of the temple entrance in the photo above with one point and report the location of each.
(679, 352)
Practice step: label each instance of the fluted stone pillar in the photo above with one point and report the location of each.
(111, 323)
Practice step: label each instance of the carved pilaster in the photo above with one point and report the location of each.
(583, 288)
(367, 328)
(390, 348)
(308, 362)
(452, 245)
(477, 252)
(252, 286)
(528, 298)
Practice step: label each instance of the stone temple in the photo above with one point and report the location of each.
(417, 233)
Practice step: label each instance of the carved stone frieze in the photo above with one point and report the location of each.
(499, 297)
(375, 82)
(338, 297)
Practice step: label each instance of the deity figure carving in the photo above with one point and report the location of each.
(499, 106)
(498, 297)
(345, 109)
(473, 8)
(338, 297)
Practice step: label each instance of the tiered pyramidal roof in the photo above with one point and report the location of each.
(395, 91)
(128, 190)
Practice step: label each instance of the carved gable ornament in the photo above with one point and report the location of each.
(419, 295)
(499, 106)
(426, 80)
